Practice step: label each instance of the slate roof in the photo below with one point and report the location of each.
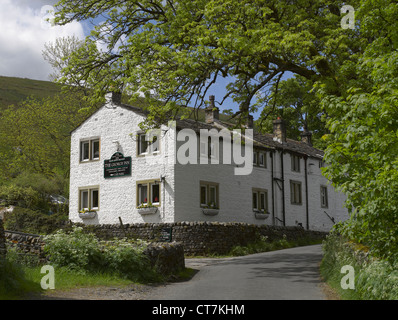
(261, 140)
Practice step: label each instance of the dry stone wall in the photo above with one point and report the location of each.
(26, 243)
(167, 258)
(187, 238)
(202, 238)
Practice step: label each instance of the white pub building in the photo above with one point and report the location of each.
(195, 171)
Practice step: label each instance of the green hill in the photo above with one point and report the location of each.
(15, 90)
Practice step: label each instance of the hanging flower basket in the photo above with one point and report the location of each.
(87, 214)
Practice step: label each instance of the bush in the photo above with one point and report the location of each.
(375, 279)
(13, 283)
(25, 197)
(31, 221)
(83, 252)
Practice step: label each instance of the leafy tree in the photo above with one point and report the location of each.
(58, 53)
(35, 136)
(176, 50)
(295, 101)
(363, 144)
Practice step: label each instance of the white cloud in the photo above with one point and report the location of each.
(24, 32)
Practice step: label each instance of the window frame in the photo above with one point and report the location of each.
(295, 162)
(257, 192)
(324, 196)
(264, 156)
(91, 150)
(149, 151)
(90, 198)
(208, 186)
(149, 187)
(257, 155)
(295, 186)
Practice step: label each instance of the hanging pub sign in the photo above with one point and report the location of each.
(117, 166)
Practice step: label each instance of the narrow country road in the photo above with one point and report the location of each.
(289, 274)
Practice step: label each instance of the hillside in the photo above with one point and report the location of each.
(15, 90)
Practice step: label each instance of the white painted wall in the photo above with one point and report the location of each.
(118, 195)
(180, 190)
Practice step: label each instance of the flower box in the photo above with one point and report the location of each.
(210, 211)
(147, 210)
(261, 215)
(87, 214)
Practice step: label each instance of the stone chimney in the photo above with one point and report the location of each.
(249, 122)
(306, 137)
(279, 130)
(113, 97)
(211, 112)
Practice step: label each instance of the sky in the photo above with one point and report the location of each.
(24, 31)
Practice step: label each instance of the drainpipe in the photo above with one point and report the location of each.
(306, 194)
(273, 182)
(283, 190)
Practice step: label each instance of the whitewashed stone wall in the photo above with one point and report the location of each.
(180, 190)
(117, 196)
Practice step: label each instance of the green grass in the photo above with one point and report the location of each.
(28, 281)
(15, 90)
(264, 245)
(67, 279)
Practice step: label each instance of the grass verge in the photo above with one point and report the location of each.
(372, 278)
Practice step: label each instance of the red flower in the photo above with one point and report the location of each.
(156, 199)
(145, 200)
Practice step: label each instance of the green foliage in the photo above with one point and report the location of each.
(13, 282)
(264, 245)
(32, 221)
(297, 104)
(33, 191)
(363, 145)
(35, 136)
(25, 197)
(77, 250)
(375, 279)
(83, 252)
(176, 50)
